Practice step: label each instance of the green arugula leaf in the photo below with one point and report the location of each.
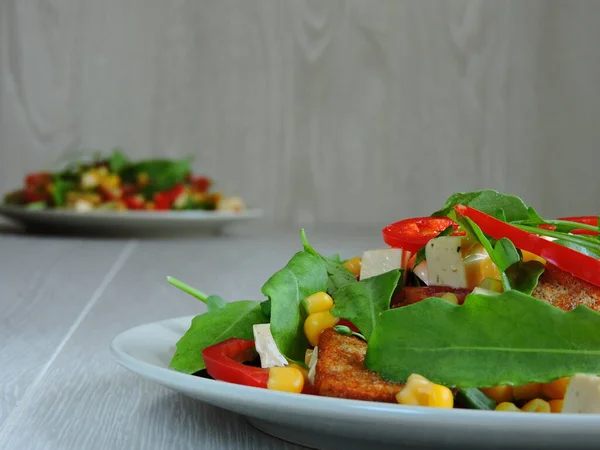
(363, 302)
(524, 275)
(117, 161)
(505, 254)
(305, 274)
(487, 201)
(230, 320)
(500, 215)
(338, 275)
(36, 206)
(59, 190)
(512, 338)
(162, 173)
(212, 301)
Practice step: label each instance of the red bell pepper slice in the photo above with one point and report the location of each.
(201, 184)
(164, 200)
(412, 234)
(134, 201)
(224, 363)
(38, 179)
(567, 259)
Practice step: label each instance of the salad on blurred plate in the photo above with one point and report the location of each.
(482, 305)
(114, 183)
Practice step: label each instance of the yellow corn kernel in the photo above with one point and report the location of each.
(536, 405)
(415, 391)
(316, 323)
(102, 171)
(527, 391)
(451, 298)
(142, 178)
(500, 394)
(507, 406)
(556, 389)
(321, 301)
(528, 256)
(556, 405)
(353, 265)
(111, 181)
(286, 379)
(440, 397)
(308, 355)
(420, 391)
(303, 370)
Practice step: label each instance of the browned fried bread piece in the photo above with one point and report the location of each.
(566, 291)
(340, 371)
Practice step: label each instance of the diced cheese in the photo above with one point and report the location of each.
(458, 262)
(89, 180)
(83, 206)
(376, 262)
(421, 271)
(312, 365)
(270, 356)
(444, 262)
(583, 395)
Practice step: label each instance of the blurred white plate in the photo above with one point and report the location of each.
(330, 423)
(125, 221)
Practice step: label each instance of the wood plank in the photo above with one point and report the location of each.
(46, 285)
(86, 401)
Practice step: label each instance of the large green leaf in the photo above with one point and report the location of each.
(337, 274)
(511, 338)
(489, 201)
(363, 302)
(304, 275)
(226, 321)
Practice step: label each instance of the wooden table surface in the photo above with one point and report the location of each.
(63, 300)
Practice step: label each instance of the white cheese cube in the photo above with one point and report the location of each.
(422, 272)
(444, 262)
(376, 262)
(270, 356)
(583, 395)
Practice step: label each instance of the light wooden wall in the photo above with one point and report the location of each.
(322, 111)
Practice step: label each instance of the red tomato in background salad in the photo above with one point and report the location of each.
(38, 179)
(201, 184)
(412, 234)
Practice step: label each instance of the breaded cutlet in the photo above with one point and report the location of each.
(340, 371)
(566, 291)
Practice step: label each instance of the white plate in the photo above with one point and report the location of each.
(126, 221)
(330, 423)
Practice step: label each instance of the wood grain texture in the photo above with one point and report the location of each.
(86, 401)
(45, 287)
(325, 111)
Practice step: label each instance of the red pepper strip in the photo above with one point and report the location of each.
(569, 260)
(587, 220)
(38, 179)
(164, 200)
(412, 234)
(134, 201)
(224, 362)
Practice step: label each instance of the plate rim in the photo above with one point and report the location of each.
(9, 210)
(344, 408)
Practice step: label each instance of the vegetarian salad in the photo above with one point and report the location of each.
(482, 305)
(116, 183)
